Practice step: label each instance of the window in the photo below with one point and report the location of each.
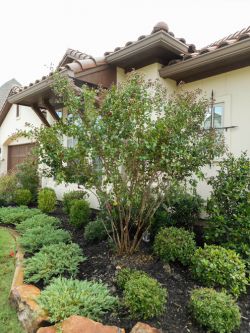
(17, 111)
(214, 117)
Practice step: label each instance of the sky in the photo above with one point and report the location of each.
(35, 34)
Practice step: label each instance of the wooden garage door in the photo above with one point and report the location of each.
(17, 154)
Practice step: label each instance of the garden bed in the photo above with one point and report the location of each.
(102, 264)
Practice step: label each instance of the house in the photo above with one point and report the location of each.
(221, 70)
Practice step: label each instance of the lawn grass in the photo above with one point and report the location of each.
(8, 318)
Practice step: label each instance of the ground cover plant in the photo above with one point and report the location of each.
(46, 200)
(8, 318)
(218, 267)
(132, 141)
(34, 239)
(53, 261)
(66, 297)
(217, 311)
(14, 215)
(173, 244)
(39, 220)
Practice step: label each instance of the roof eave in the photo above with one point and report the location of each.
(218, 56)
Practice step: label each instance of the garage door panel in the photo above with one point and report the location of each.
(17, 154)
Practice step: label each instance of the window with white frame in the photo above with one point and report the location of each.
(214, 117)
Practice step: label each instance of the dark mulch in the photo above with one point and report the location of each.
(102, 264)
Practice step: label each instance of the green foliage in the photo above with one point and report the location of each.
(125, 274)
(173, 244)
(218, 267)
(79, 213)
(40, 220)
(96, 231)
(130, 147)
(217, 311)
(69, 197)
(144, 297)
(229, 205)
(27, 176)
(8, 185)
(15, 215)
(63, 298)
(47, 200)
(53, 261)
(22, 197)
(33, 239)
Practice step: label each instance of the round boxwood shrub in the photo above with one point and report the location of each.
(47, 200)
(22, 197)
(173, 244)
(66, 297)
(144, 297)
(53, 261)
(217, 311)
(96, 231)
(125, 274)
(69, 197)
(79, 213)
(215, 266)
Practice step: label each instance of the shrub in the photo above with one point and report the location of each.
(22, 197)
(79, 213)
(47, 200)
(144, 297)
(96, 231)
(33, 239)
(125, 274)
(8, 185)
(217, 311)
(69, 197)
(174, 244)
(218, 267)
(229, 205)
(15, 215)
(53, 261)
(63, 298)
(27, 176)
(40, 220)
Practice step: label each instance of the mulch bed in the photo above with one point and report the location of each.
(102, 264)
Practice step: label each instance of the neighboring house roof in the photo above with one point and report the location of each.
(5, 90)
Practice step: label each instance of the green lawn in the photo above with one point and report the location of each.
(8, 318)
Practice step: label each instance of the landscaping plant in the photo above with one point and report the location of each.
(8, 185)
(22, 197)
(215, 266)
(15, 215)
(53, 261)
(40, 220)
(79, 213)
(47, 200)
(132, 141)
(66, 297)
(175, 244)
(34, 239)
(125, 274)
(69, 197)
(144, 297)
(217, 311)
(96, 230)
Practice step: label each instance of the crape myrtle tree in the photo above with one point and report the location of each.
(132, 142)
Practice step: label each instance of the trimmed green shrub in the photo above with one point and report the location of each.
(217, 311)
(79, 213)
(47, 200)
(27, 176)
(173, 244)
(125, 274)
(144, 297)
(66, 297)
(22, 197)
(34, 239)
(8, 185)
(96, 231)
(53, 261)
(218, 267)
(40, 220)
(15, 215)
(69, 197)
